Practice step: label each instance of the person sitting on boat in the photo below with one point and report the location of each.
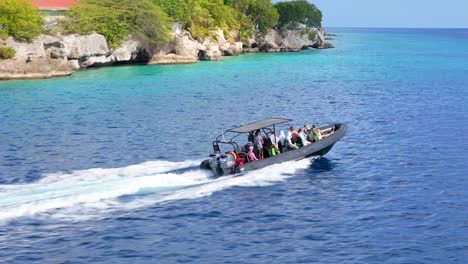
(291, 138)
(327, 132)
(251, 155)
(275, 141)
(308, 132)
(292, 134)
(282, 142)
(251, 137)
(317, 133)
(302, 137)
(258, 144)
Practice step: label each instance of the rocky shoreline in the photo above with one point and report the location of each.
(50, 56)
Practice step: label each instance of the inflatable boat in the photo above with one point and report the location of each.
(230, 157)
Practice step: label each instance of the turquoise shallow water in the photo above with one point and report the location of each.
(101, 166)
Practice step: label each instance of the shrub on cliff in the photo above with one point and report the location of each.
(6, 53)
(20, 20)
(261, 13)
(207, 16)
(294, 13)
(178, 10)
(201, 17)
(115, 19)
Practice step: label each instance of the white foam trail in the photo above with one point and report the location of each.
(263, 177)
(87, 193)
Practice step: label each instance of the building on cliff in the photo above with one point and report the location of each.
(53, 8)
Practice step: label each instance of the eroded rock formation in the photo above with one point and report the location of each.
(50, 56)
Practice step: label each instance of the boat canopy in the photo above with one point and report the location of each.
(258, 125)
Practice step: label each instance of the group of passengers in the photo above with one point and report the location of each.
(260, 147)
(303, 137)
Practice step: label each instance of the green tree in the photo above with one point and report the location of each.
(201, 17)
(294, 13)
(19, 19)
(222, 15)
(262, 13)
(115, 19)
(178, 10)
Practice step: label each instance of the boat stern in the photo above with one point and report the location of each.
(220, 164)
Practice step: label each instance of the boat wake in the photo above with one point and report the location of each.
(87, 194)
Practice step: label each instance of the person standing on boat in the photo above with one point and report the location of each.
(258, 144)
(291, 138)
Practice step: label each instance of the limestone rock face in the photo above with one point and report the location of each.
(78, 46)
(182, 50)
(38, 67)
(227, 47)
(321, 42)
(185, 46)
(41, 58)
(231, 49)
(217, 38)
(91, 50)
(296, 40)
(49, 56)
(128, 50)
(164, 59)
(212, 53)
(251, 49)
(271, 42)
(56, 53)
(323, 45)
(23, 50)
(287, 40)
(96, 61)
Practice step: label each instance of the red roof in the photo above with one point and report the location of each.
(53, 4)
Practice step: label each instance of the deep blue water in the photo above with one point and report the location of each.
(102, 166)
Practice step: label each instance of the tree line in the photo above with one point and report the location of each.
(150, 20)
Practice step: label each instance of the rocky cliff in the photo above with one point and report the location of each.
(51, 56)
(287, 40)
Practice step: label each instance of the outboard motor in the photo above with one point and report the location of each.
(222, 164)
(227, 163)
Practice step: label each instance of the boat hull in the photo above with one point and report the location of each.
(318, 148)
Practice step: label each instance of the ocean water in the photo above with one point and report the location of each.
(102, 166)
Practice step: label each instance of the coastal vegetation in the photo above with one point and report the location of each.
(297, 14)
(94, 33)
(6, 53)
(115, 19)
(20, 20)
(150, 20)
(203, 17)
(261, 14)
